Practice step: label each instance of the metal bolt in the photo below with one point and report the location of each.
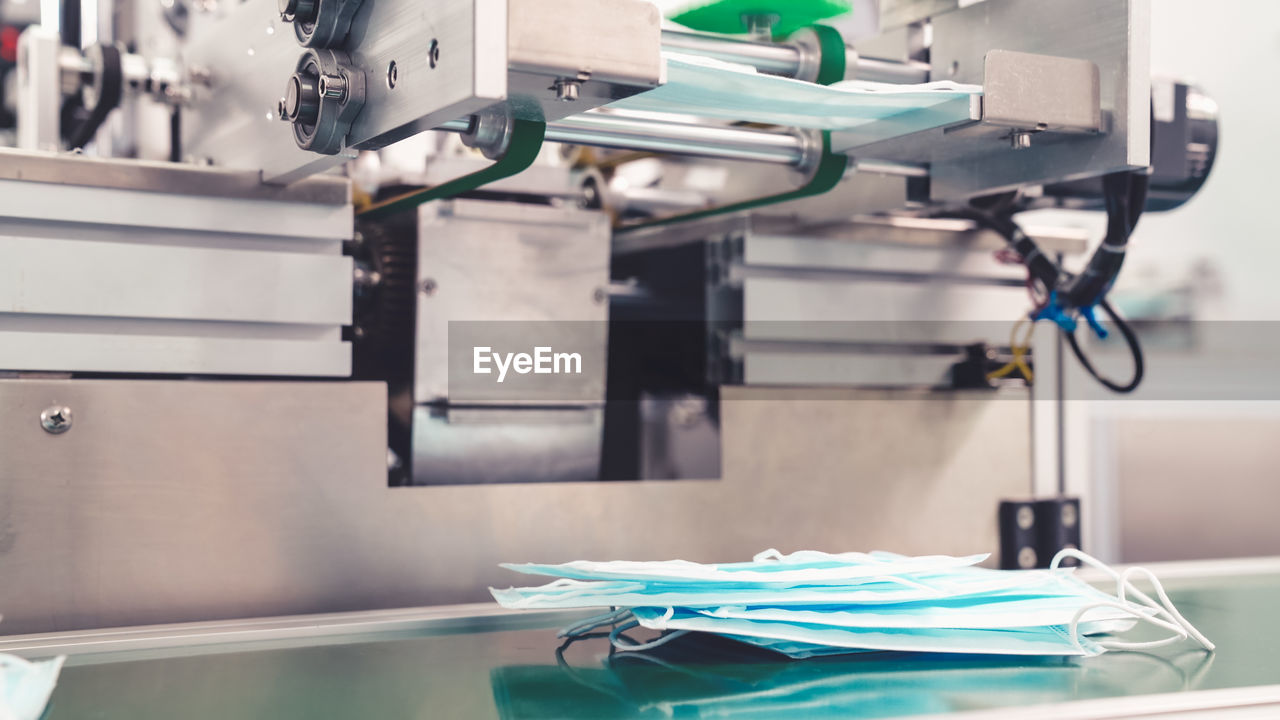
(760, 25)
(56, 419)
(1020, 140)
(433, 53)
(600, 296)
(1027, 557)
(1025, 517)
(393, 75)
(1069, 515)
(333, 87)
(428, 287)
(566, 89)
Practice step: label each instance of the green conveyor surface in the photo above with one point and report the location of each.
(472, 671)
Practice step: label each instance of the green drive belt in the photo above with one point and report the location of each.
(526, 143)
(825, 177)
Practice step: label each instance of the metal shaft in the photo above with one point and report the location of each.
(785, 59)
(627, 132)
(767, 57)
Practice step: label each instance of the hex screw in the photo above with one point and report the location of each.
(56, 419)
(1020, 140)
(427, 287)
(566, 89)
(333, 87)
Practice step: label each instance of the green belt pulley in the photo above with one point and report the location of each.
(522, 150)
(826, 176)
(830, 166)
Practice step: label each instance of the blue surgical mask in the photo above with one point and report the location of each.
(25, 686)
(1052, 640)
(814, 603)
(768, 569)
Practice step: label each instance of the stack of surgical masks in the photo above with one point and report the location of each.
(813, 603)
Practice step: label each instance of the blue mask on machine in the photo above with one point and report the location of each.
(25, 686)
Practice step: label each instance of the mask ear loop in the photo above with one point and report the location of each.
(1124, 586)
(616, 638)
(1179, 633)
(591, 623)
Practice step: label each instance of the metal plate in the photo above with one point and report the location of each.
(533, 272)
(153, 277)
(172, 501)
(166, 177)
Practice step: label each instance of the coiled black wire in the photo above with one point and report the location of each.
(1130, 338)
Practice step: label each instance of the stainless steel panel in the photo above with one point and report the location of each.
(831, 256)
(506, 446)
(542, 267)
(88, 278)
(897, 13)
(888, 231)
(166, 177)
(150, 278)
(170, 501)
(144, 209)
(792, 365)
(184, 501)
(101, 350)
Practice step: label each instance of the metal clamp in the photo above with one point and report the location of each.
(322, 97)
(319, 23)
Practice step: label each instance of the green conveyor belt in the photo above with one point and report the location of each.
(473, 669)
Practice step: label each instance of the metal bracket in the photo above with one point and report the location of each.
(522, 149)
(1040, 92)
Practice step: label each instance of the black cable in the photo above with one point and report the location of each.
(109, 95)
(1041, 267)
(1125, 197)
(1130, 337)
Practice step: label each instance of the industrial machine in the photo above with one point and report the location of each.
(329, 305)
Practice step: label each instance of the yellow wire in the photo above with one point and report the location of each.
(1019, 351)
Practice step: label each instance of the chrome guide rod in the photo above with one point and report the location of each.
(786, 59)
(624, 131)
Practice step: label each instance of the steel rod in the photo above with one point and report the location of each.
(625, 132)
(767, 57)
(785, 59)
